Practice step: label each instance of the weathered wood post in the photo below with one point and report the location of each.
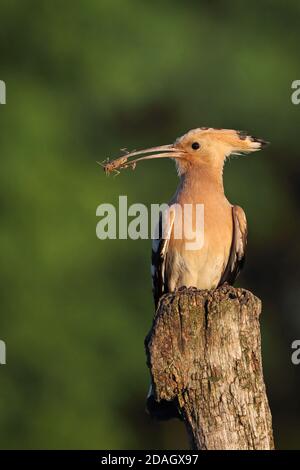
(204, 354)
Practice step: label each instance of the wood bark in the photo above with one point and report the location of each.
(204, 355)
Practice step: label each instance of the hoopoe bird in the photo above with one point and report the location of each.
(200, 155)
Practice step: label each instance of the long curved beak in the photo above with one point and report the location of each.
(161, 148)
(163, 151)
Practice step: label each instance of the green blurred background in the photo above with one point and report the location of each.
(85, 79)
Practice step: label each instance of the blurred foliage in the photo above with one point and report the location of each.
(85, 79)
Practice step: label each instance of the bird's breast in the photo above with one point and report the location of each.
(200, 265)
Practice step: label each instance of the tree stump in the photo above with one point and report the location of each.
(204, 355)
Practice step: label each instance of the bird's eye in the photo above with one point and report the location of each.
(195, 145)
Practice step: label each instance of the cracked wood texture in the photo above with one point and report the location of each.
(204, 354)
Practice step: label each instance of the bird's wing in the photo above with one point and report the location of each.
(238, 246)
(159, 254)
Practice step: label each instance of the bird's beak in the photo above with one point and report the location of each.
(164, 151)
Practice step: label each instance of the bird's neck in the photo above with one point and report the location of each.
(201, 180)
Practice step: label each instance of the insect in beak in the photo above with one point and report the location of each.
(163, 151)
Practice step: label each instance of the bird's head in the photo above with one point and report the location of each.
(210, 147)
(197, 148)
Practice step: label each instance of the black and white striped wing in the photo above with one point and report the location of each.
(238, 247)
(158, 260)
